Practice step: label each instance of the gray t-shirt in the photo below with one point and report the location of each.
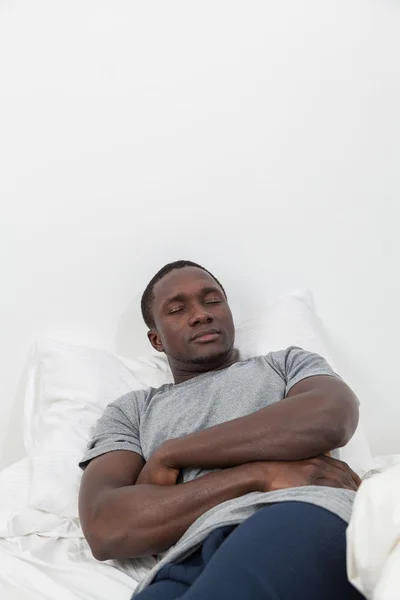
(142, 420)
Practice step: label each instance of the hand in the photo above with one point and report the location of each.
(156, 471)
(321, 470)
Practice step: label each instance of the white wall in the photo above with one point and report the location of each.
(259, 138)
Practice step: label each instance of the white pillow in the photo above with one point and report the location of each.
(69, 383)
(69, 387)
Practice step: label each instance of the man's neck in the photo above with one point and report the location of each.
(184, 371)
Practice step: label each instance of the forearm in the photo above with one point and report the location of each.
(147, 519)
(278, 432)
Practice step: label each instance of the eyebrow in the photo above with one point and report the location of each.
(182, 297)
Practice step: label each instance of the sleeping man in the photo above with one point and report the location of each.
(224, 474)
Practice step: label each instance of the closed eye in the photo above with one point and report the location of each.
(178, 309)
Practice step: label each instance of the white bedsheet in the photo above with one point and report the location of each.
(45, 556)
(57, 568)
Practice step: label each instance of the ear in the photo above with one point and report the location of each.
(155, 340)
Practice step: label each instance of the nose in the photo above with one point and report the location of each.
(200, 316)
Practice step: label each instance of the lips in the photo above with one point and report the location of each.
(206, 335)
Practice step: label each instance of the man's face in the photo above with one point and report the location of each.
(193, 320)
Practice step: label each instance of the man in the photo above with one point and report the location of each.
(224, 473)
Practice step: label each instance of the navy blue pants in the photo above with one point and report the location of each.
(286, 551)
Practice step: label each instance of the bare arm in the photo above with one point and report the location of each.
(122, 520)
(318, 415)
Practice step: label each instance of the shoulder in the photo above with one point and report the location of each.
(282, 356)
(278, 360)
(295, 362)
(132, 403)
(292, 354)
(118, 428)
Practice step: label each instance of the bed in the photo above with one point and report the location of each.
(43, 553)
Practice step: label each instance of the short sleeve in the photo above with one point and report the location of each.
(295, 364)
(115, 430)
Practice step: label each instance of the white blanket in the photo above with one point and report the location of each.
(373, 535)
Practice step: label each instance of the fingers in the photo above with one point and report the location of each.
(346, 483)
(340, 464)
(345, 467)
(336, 462)
(351, 483)
(356, 478)
(324, 481)
(337, 472)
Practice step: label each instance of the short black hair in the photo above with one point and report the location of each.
(148, 297)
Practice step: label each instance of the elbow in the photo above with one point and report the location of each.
(98, 544)
(98, 534)
(106, 544)
(338, 436)
(111, 533)
(105, 547)
(344, 435)
(99, 553)
(342, 423)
